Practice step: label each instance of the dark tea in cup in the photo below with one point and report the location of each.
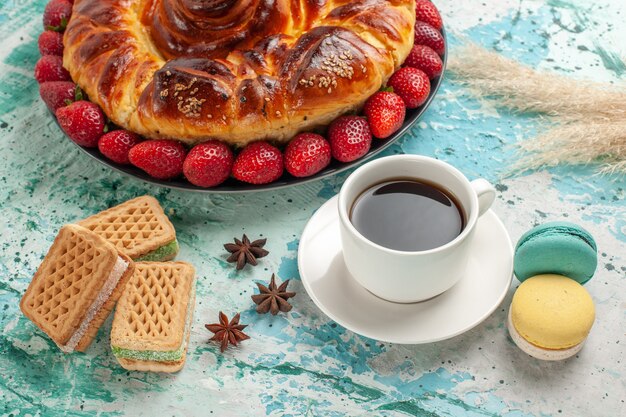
(408, 215)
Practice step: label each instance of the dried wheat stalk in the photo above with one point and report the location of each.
(585, 121)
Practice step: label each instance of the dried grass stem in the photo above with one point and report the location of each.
(586, 121)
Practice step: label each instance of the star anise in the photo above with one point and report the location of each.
(242, 251)
(272, 298)
(226, 332)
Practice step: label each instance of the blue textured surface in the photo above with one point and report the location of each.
(301, 363)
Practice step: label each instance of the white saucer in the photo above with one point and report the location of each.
(340, 297)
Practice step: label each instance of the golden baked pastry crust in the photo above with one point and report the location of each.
(234, 70)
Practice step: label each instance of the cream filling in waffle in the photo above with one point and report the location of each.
(105, 292)
(166, 251)
(164, 355)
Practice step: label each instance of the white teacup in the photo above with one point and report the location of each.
(401, 276)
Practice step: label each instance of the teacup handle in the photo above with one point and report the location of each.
(486, 194)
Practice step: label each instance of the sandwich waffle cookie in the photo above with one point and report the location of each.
(138, 227)
(76, 287)
(153, 317)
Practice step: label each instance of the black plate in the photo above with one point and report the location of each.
(233, 186)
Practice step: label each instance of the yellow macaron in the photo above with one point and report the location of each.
(550, 316)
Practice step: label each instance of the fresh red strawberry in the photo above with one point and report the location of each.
(115, 145)
(50, 43)
(425, 11)
(57, 94)
(258, 163)
(56, 15)
(161, 158)
(83, 122)
(307, 154)
(350, 138)
(412, 85)
(385, 113)
(427, 35)
(208, 164)
(50, 68)
(423, 57)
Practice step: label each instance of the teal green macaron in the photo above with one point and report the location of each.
(561, 248)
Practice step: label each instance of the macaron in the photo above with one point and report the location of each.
(550, 317)
(561, 248)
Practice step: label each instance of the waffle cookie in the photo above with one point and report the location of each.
(138, 227)
(153, 317)
(76, 287)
